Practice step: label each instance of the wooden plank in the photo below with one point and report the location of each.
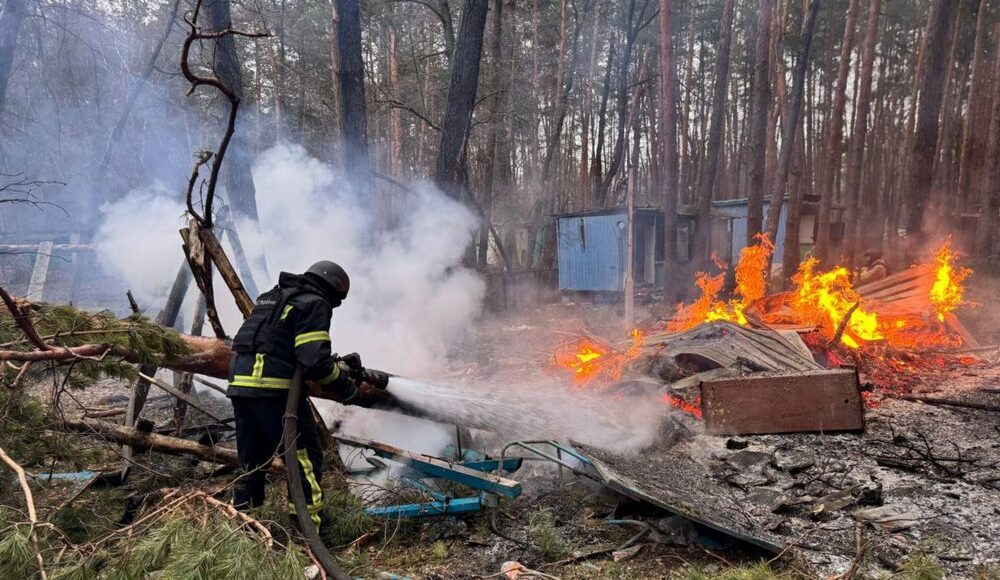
(36, 287)
(903, 277)
(958, 328)
(32, 248)
(819, 401)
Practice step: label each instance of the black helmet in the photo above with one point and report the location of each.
(332, 277)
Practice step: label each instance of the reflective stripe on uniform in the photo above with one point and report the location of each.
(284, 313)
(307, 337)
(334, 375)
(315, 504)
(258, 366)
(260, 382)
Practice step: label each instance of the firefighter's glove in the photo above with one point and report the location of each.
(353, 361)
(344, 387)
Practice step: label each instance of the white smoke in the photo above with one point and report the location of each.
(138, 242)
(409, 304)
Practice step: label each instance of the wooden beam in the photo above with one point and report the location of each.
(133, 437)
(36, 287)
(818, 401)
(187, 399)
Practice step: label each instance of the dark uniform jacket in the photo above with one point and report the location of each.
(289, 324)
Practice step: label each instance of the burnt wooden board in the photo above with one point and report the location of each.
(817, 401)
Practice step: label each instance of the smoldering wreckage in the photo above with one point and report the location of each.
(835, 429)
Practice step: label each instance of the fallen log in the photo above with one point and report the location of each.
(162, 443)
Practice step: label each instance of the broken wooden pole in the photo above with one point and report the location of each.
(140, 390)
(187, 399)
(815, 401)
(132, 437)
(36, 286)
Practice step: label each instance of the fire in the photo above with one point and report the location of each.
(826, 298)
(692, 408)
(589, 360)
(947, 291)
(751, 286)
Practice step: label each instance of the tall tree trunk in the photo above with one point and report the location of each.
(237, 170)
(449, 173)
(632, 24)
(943, 159)
(336, 101)
(856, 154)
(791, 126)
(352, 93)
(760, 114)
(11, 17)
(928, 109)
(395, 116)
(278, 60)
(705, 189)
(496, 129)
(669, 163)
(596, 163)
(970, 163)
(567, 74)
(986, 231)
(834, 137)
(686, 138)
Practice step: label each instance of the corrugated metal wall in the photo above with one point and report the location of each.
(592, 253)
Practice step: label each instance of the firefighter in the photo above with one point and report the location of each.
(874, 269)
(289, 326)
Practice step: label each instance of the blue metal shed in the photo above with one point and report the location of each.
(592, 248)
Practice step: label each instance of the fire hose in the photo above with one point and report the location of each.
(291, 430)
(359, 374)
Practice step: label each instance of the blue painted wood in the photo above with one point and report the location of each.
(434, 467)
(509, 465)
(465, 505)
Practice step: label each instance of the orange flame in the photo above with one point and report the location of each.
(947, 291)
(589, 360)
(825, 299)
(751, 286)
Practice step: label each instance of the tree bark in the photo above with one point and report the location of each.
(973, 136)
(856, 154)
(336, 99)
(395, 117)
(921, 175)
(702, 239)
(11, 18)
(352, 94)
(238, 175)
(669, 162)
(834, 137)
(987, 226)
(449, 174)
(760, 113)
(791, 126)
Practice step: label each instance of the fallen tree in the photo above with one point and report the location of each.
(96, 343)
(139, 439)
